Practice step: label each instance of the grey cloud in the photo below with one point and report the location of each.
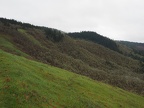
(117, 19)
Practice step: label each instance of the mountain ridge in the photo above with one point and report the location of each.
(96, 38)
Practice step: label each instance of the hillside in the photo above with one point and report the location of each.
(130, 49)
(134, 45)
(133, 50)
(26, 83)
(96, 38)
(56, 48)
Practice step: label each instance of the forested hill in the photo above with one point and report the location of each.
(137, 49)
(97, 38)
(134, 45)
(51, 33)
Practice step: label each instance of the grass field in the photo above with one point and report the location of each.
(29, 84)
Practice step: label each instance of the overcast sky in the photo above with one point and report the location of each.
(116, 19)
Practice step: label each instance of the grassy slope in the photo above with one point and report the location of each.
(25, 83)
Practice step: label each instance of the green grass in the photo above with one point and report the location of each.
(29, 84)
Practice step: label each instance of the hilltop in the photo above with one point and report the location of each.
(96, 38)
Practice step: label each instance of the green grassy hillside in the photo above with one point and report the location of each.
(29, 84)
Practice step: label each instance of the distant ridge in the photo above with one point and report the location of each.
(95, 37)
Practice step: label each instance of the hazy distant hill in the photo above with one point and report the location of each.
(137, 49)
(134, 45)
(99, 60)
